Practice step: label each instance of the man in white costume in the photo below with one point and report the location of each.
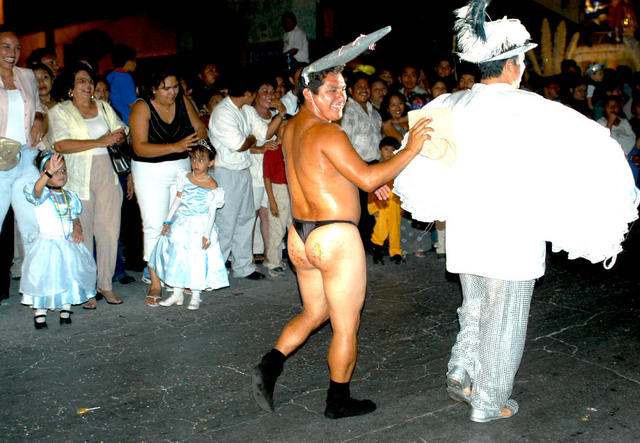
(527, 170)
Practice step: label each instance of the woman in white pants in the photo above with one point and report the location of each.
(164, 127)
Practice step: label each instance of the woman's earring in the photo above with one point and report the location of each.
(70, 94)
(93, 99)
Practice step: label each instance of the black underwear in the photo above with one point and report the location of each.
(304, 228)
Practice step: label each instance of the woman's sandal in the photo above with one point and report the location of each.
(109, 296)
(153, 300)
(90, 304)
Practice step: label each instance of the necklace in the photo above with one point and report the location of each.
(62, 214)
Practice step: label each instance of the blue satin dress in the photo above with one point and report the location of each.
(178, 258)
(56, 271)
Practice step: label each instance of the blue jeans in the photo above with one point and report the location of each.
(12, 185)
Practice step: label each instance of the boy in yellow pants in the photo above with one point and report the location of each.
(387, 214)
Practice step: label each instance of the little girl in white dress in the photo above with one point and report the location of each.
(58, 270)
(187, 254)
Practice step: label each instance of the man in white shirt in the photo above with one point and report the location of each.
(515, 182)
(233, 135)
(295, 40)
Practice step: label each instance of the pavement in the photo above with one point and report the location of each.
(132, 373)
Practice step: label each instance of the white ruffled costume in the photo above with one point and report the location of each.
(178, 257)
(56, 271)
(527, 171)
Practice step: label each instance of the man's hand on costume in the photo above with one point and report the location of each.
(418, 134)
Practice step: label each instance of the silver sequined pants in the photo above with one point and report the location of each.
(493, 326)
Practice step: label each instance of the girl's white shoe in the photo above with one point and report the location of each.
(194, 303)
(177, 298)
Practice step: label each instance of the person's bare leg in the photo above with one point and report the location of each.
(155, 290)
(315, 312)
(337, 251)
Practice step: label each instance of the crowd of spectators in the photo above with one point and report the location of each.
(162, 115)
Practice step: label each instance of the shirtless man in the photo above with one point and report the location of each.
(324, 173)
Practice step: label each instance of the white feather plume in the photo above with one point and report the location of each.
(503, 36)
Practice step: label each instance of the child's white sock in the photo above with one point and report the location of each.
(65, 313)
(37, 312)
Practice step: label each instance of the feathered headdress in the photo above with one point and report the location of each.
(345, 53)
(481, 42)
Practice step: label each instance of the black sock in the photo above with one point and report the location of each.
(340, 404)
(265, 376)
(338, 391)
(273, 362)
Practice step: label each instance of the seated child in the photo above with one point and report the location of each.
(387, 214)
(187, 254)
(58, 270)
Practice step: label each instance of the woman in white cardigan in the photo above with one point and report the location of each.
(81, 128)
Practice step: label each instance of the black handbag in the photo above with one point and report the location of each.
(119, 159)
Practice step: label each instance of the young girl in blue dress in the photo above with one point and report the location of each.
(188, 255)
(58, 270)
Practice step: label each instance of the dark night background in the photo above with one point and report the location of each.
(421, 29)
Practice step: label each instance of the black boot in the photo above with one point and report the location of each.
(378, 254)
(340, 404)
(264, 377)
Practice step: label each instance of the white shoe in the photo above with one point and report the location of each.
(194, 303)
(177, 298)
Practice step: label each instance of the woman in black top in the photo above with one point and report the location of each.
(164, 127)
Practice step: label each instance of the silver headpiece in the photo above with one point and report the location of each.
(345, 53)
(481, 42)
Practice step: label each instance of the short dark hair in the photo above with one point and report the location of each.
(389, 141)
(37, 55)
(68, 79)
(353, 78)
(42, 67)
(316, 79)
(121, 54)
(290, 15)
(156, 79)
(494, 69)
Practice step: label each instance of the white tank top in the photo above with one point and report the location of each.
(97, 128)
(15, 117)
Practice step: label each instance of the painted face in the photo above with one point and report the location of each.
(9, 50)
(264, 96)
(200, 162)
(167, 91)
(443, 69)
(280, 88)
(44, 82)
(331, 97)
(580, 92)
(59, 178)
(210, 74)
(101, 91)
(360, 91)
(409, 78)
(396, 107)
(386, 152)
(466, 81)
(438, 88)
(378, 91)
(83, 85)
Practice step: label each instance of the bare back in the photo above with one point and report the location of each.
(319, 191)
